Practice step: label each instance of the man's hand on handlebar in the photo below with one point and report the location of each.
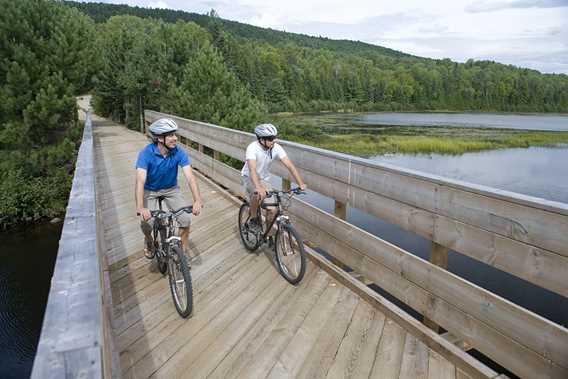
(261, 191)
(144, 212)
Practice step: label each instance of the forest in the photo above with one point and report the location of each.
(205, 68)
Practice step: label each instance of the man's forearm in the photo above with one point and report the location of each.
(296, 175)
(139, 195)
(194, 190)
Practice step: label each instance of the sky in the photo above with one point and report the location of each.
(524, 33)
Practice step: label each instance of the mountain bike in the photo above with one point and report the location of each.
(171, 258)
(288, 246)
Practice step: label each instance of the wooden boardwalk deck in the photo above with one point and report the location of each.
(248, 322)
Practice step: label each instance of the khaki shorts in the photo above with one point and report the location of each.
(249, 187)
(173, 201)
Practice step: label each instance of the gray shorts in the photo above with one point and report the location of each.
(173, 201)
(249, 187)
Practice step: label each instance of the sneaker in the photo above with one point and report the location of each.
(149, 250)
(253, 225)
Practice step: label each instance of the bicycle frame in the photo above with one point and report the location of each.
(279, 216)
(166, 228)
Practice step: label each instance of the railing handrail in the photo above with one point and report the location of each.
(71, 338)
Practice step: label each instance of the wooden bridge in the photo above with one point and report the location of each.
(110, 313)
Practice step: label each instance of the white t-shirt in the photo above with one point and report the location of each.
(263, 159)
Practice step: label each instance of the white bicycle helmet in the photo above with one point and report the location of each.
(265, 130)
(163, 126)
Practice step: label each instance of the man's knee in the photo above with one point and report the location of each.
(184, 220)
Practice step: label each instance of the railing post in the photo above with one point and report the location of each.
(216, 155)
(200, 148)
(438, 257)
(340, 210)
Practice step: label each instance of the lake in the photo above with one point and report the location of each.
(473, 120)
(28, 257)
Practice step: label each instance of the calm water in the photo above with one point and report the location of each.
(535, 171)
(473, 120)
(27, 257)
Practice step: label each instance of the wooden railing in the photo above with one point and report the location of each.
(523, 236)
(75, 339)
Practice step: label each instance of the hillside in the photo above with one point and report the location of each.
(101, 12)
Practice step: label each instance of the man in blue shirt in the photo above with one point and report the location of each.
(156, 176)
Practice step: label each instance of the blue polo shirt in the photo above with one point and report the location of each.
(161, 172)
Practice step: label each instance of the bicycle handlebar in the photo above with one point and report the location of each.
(295, 191)
(160, 213)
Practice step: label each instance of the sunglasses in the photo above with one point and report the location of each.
(270, 138)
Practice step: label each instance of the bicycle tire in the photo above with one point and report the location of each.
(288, 241)
(162, 262)
(250, 239)
(179, 278)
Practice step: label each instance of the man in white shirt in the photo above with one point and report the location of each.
(255, 174)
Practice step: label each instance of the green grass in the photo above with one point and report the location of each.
(334, 133)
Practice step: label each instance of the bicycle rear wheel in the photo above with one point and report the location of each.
(290, 254)
(180, 282)
(251, 238)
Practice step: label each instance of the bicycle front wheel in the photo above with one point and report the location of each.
(160, 248)
(251, 238)
(180, 282)
(290, 255)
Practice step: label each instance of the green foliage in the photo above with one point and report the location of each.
(298, 73)
(210, 93)
(45, 56)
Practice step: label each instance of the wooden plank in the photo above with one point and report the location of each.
(290, 361)
(269, 301)
(389, 354)
(323, 354)
(431, 339)
(279, 337)
(439, 368)
(356, 354)
(246, 348)
(415, 359)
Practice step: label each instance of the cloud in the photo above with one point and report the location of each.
(490, 6)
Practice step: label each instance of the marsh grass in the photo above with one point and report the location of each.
(333, 133)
